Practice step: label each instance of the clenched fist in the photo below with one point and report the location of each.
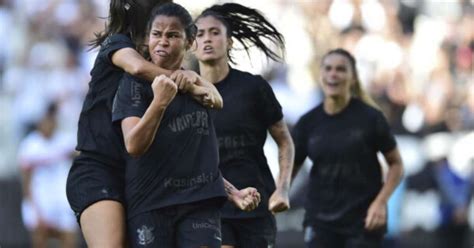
(164, 90)
(246, 199)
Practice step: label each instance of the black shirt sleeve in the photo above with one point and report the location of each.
(268, 105)
(299, 135)
(112, 44)
(385, 141)
(132, 98)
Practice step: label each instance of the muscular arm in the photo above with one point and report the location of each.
(286, 153)
(133, 63)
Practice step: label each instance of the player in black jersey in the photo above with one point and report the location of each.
(95, 182)
(250, 110)
(347, 198)
(174, 189)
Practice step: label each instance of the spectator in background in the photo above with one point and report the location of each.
(44, 156)
(347, 200)
(455, 198)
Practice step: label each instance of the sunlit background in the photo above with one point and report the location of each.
(414, 57)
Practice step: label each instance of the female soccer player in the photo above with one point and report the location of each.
(250, 110)
(346, 201)
(174, 189)
(95, 181)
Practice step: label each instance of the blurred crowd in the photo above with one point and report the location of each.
(416, 59)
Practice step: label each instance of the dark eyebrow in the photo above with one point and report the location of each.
(210, 29)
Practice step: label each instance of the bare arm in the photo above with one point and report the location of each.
(279, 201)
(394, 175)
(286, 152)
(139, 133)
(230, 189)
(133, 63)
(377, 213)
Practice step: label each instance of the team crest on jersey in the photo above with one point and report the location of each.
(145, 235)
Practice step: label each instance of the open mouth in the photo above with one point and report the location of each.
(208, 49)
(161, 53)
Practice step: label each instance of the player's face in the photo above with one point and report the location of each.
(211, 39)
(336, 76)
(47, 126)
(167, 42)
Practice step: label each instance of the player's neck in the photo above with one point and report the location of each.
(334, 105)
(214, 72)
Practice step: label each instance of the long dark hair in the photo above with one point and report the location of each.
(249, 27)
(127, 17)
(356, 90)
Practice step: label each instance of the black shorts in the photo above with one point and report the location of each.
(187, 225)
(91, 180)
(252, 232)
(324, 238)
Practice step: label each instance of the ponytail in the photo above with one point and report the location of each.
(249, 27)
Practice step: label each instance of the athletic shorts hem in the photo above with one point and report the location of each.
(86, 206)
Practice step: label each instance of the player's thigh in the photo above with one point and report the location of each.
(103, 224)
(95, 193)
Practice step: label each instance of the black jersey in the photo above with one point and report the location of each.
(250, 108)
(346, 175)
(96, 134)
(181, 165)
